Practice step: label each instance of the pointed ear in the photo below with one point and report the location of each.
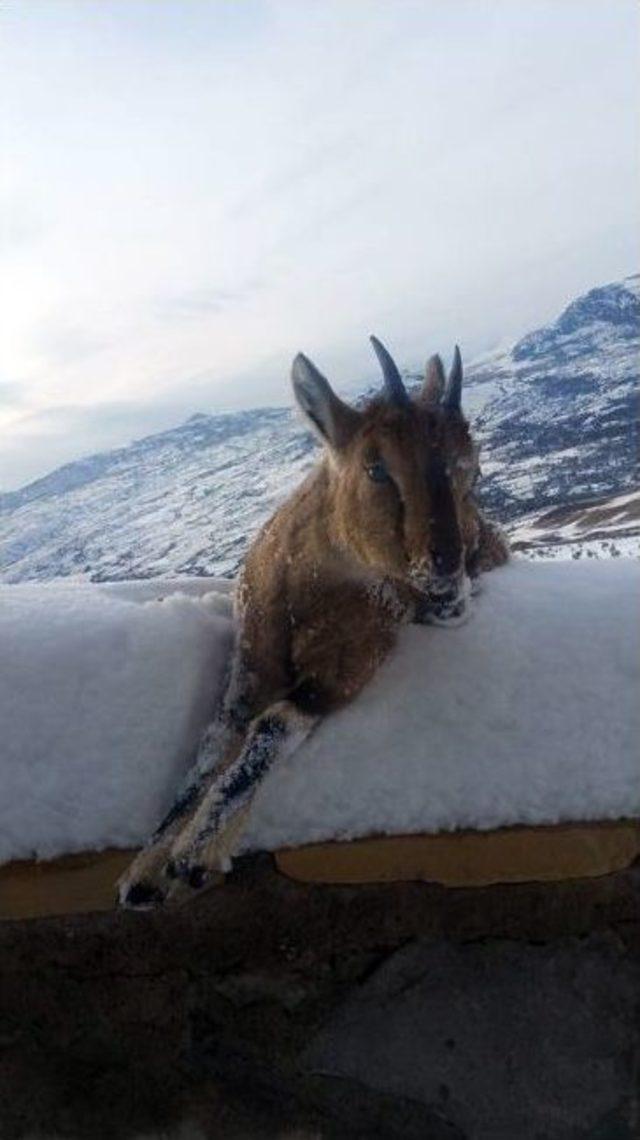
(334, 422)
(433, 387)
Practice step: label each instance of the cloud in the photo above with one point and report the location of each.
(198, 195)
(60, 344)
(69, 431)
(204, 301)
(11, 395)
(22, 224)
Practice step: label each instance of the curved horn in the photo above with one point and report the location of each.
(395, 389)
(453, 391)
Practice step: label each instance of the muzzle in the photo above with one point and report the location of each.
(448, 599)
(447, 595)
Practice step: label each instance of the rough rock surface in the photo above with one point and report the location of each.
(400, 1011)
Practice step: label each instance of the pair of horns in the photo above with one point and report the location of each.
(448, 393)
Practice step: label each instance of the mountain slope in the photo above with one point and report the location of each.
(556, 415)
(563, 422)
(181, 502)
(593, 528)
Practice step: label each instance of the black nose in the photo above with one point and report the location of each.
(444, 561)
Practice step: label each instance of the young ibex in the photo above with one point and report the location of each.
(383, 531)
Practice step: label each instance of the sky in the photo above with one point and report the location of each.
(193, 191)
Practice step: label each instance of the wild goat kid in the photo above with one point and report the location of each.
(384, 530)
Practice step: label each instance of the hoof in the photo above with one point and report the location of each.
(192, 876)
(142, 896)
(197, 877)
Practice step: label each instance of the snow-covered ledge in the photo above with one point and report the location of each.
(527, 714)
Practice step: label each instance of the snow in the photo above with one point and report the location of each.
(528, 713)
(608, 528)
(582, 548)
(102, 702)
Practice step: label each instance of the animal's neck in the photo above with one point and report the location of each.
(317, 514)
(333, 553)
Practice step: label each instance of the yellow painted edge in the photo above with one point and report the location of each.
(71, 884)
(80, 884)
(471, 858)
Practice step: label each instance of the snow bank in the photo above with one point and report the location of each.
(529, 713)
(102, 701)
(526, 714)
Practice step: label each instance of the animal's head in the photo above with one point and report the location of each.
(401, 471)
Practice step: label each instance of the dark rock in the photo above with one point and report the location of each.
(400, 1011)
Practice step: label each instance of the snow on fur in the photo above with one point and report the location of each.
(526, 714)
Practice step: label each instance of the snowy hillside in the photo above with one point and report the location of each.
(563, 424)
(593, 528)
(556, 415)
(105, 689)
(182, 502)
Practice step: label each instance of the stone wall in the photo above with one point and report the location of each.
(401, 1011)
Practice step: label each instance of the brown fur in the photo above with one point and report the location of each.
(324, 588)
(309, 610)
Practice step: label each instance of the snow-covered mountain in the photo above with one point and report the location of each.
(596, 528)
(561, 423)
(181, 502)
(556, 414)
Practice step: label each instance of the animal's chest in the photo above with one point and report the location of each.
(354, 621)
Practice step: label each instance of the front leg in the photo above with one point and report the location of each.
(491, 549)
(337, 642)
(143, 885)
(208, 841)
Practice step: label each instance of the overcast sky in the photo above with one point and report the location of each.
(194, 190)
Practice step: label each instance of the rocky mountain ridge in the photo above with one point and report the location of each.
(556, 415)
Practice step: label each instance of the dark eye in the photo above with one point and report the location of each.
(378, 472)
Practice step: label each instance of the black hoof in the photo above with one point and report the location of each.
(142, 896)
(197, 877)
(194, 877)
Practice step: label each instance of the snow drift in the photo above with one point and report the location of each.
(102, 701)
(526, 714)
